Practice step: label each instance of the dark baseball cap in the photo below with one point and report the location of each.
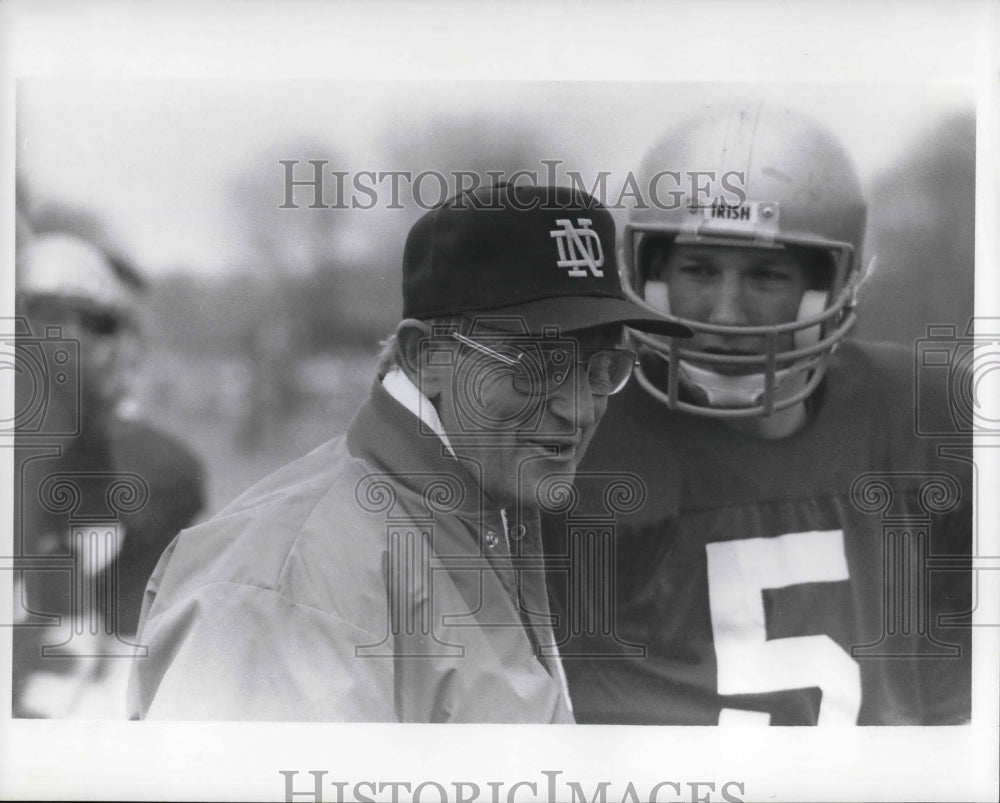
(542, 255)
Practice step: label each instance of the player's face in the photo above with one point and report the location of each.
(519, 436)
(732, 286)
(99, 333)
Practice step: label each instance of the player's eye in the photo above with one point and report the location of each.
(772, 275)
(698, 270)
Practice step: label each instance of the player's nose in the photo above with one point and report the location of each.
(728, 307)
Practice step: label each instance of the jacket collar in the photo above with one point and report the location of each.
(394, 440)
(398, 385)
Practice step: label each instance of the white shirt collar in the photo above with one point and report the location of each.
(398, 385)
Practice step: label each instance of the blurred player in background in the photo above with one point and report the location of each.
(77, 601)
(761, 581)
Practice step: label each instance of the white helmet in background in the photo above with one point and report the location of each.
(780, 181)
(68, 267)
(63, 280)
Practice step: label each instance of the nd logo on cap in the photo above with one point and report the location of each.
(490, 250)
(578, 247)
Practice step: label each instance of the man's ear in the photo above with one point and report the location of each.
(410, 335)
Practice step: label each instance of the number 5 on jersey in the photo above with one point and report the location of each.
(749, 662)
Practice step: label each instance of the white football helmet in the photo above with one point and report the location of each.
(777, 180)
(65, 266)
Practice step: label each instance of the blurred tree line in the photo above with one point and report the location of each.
(258, 363)
(294, 274)
(322, 310)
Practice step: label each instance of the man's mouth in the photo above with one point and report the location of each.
(558, 447)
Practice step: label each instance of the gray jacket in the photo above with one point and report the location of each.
(366, 581)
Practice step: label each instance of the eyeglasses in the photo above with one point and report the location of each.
(539, 368)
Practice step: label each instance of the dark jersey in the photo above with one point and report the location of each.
(175, 478)
(704, 576)
(126, 473)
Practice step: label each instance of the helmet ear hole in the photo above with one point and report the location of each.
(812, 304)
(657, 295)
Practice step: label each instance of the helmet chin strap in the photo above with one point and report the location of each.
(723, 390)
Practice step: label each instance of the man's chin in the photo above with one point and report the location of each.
(537, 471)
(552, 458)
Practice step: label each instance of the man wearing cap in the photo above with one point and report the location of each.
(394, 573)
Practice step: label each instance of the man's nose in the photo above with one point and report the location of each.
(728, 307)
(572, 400)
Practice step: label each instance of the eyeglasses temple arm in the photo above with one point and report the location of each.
(472, 344)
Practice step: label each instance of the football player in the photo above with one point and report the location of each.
(798, 556)
(73, 640)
